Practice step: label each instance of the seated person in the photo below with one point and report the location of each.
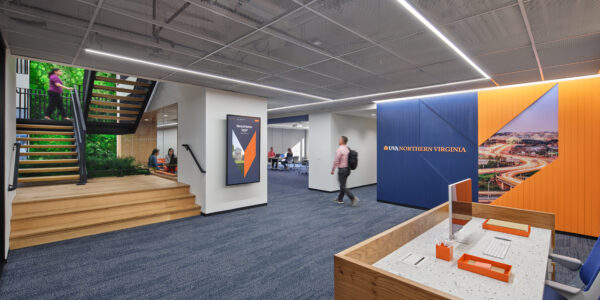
(289, 157)
(171, 161)
(152, 160)
(273, 159)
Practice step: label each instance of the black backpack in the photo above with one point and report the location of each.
(352, 159)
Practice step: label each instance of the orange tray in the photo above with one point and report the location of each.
(463, 264)
(507, 230)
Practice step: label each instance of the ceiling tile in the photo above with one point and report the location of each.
(377, 60)
(498, 30)
(277, 48)
(379, 20)
(309, 77)
(255, 13)
(197, 80)
(115, 20)
(507, 61)
(155, 55)
(348, 90)
(66, 8)
(422, 49)
(338, 69)
(452, 70)
(378, 84)
(570, 50)
(411, 78)
(256, 91)
(519, 77)
(218, 68)
(247, 60)
(317, 32)
(324, 92)
(444, 12)
(32, 42)
(40, 54)
(572, 70)
(286, 84)
(553, 20)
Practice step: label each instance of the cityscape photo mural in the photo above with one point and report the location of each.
(525, 145)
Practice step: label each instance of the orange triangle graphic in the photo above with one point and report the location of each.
(498, 107)
(249, 154)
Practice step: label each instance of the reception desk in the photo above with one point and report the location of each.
(372, 268)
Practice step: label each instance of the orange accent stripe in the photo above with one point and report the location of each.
(249, 154)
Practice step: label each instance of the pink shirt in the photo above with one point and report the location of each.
(341, 157)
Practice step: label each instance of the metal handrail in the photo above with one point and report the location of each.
(80, 131)
(17, 149)
(187, 147)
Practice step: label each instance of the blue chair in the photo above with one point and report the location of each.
(588, 273)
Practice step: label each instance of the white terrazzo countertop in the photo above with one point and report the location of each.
(527, 255)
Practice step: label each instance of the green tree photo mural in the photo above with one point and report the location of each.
(98, 146)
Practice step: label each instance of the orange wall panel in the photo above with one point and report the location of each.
(570, 186)
(498, 107)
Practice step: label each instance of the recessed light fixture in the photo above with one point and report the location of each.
(317, 43)
(373, 115)
(442, 37)
(165, 115)
(202, 74)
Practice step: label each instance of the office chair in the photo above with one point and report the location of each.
(588, 273)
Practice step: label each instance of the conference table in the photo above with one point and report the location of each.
(374, 268)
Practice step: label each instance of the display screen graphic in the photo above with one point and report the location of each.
(243, 149)
(520, 149)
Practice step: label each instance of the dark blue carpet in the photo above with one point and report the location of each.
(280, 251)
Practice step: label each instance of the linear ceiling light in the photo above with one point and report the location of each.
(425, 22)
(381, 94)
(203, 74)
(490, 88)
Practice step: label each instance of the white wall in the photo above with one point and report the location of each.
(324, 132)
(10, 135)
(191, 101)
(219, 196)
(321, 153)
(362, 137)
(281, 139)
(202, 124)
(166, 138)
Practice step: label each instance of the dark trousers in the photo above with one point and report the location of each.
(55, 101)
(274, 163)
(343, 174)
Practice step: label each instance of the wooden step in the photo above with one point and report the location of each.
(37, 139)
(126, 98)
(116, 89)
(45, 132)
(150, 218)
(103, 117)
(114, 104)
(47, 153)
(125, 211)
(48, 178)
(82, 201)
(122, 81)
(42, 126)
(48, 146)
(114, 111)
(47, 161)
(47, 170)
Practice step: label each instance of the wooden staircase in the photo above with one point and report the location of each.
(52, 154)
(40, 220)
(114, 104)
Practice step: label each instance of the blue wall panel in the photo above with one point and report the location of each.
(421, 178)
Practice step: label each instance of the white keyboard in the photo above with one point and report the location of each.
(498, 247)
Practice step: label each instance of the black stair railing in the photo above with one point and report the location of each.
(80, 132)
(15, 183)
(88, 86)
(32, 104)
(187, 147)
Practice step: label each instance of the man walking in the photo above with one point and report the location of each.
(341, 163)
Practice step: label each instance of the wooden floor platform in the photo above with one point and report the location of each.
(44, 214)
